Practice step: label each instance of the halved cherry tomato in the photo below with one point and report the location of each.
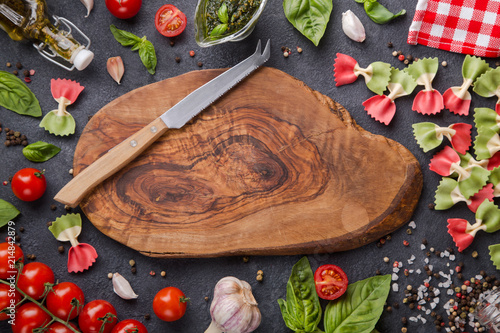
(170, 21)
(65, 300)
(331, 282)
(128, 326)
(33, 278)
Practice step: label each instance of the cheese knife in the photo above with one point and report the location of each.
(176, 117)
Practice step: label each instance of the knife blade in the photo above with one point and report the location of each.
(176, 117)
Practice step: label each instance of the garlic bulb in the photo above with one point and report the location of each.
(233, 309)
(122, 287)
(353, 27)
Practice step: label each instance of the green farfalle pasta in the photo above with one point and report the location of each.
(476, 181)
(425, 134)
(381, 74)
(447, 193)
(486, 118)
(486, 144)
(423, 71)
(495, 180)
(495, 255)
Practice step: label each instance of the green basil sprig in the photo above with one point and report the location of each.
(310, 17)
(301, 311)
(17, 97)
(145, 47)
(223, 15)
(378, 13)
(40, 151)
(359, 309)
(7, 212)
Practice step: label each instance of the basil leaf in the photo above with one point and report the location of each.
(223, 14)
(359, 309)
(40, 151)
(310, 17)
(145, 47)
(148, 56)
(7, 212)
(17, 97)
(219, 30)
(124, 37)
(378, 13)
(301, 311)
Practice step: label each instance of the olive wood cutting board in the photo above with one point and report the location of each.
(271, 168)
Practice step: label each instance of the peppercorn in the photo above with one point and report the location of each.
(408, 231)
(200, 64)
(131, 262)
(395, 305)
(163, 273)
(19, 65)
(378, 272)
(110, 276)
(424, 241)
(8, 64)
(53, 207)
(67, 207)
(133, 270)
(395, 53)
(388, 309)
(431, 206)
(26, 72)
(438, 253)
(191, 53)
(21, 229)
(172, 43)
(400, 53)
(152, 273)
(299, 49)
(475, 254)
(60, 249)
(17, 238)
(409, 57)
(14, 72)
(177, 59)
(444, 64)
(386, 259)
(404, 330)
(411, 306)
(259, 278)
(406, 243)
(147, 316)
(286, 54)
(388, 237)
(389, 45)
(401, 57)
(404, 321)
(49, 223)
(406, 62)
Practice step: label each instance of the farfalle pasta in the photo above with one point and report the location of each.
(457, 99)
(61, 122)
(67, 228)
(429, 100)
(430, 136)
(376, 75)
(488, 85)
(486, 144)
(495, 255)
(487, 219)
(495, 181)
(486, 118)
(382, 107)
(447, 163)
(448, 194)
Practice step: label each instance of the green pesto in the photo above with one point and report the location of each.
(239, 13)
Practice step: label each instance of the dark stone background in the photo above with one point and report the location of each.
(197, 277)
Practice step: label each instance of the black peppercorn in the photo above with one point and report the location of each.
(177, 59)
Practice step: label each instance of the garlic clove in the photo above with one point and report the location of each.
(89, 4)
(122, 287)
(115, 68)
(353, 27)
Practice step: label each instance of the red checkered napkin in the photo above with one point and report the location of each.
(462, 26)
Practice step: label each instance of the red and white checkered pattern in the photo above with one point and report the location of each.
(462, 26)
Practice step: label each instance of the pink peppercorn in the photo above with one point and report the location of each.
(191, 53)
(401, 57)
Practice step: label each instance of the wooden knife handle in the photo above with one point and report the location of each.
(114, 160)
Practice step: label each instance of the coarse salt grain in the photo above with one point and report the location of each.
(395, 287)
(436, 300)
(400, 264)
(412, 224)
(395, 277)
(452, 257)
(423, 320)
(422, 247)
(437, 292)
(414, 319)
(395, 270)
(433, 306)
(479, 277)
(418, 271)
(422, 301)
(426, 260)
(450, 292)
(431, 267)
(446, 253)
(428, 311)
(469, 289)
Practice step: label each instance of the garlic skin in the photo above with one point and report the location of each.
(233, 309)
(122, 287)
(89, 4)
(353, 27)
(115, 68)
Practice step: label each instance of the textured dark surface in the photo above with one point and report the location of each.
(197, 277)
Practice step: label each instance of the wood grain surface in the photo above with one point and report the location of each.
(272, 167)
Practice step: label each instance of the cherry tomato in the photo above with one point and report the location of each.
(169, 304)
(9, 255)
(94, 314)
(29, 184)
(170, 21)
(65, 300)
(129, 326)
(8, 298)
(331, 282)
(33, 278)
(28, 317)
(60, 328)
(123, 9)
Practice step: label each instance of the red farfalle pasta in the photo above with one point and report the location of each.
(65, 88)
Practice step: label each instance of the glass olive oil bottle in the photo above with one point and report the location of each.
(29, 20)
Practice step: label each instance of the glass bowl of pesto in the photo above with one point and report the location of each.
(220, 21)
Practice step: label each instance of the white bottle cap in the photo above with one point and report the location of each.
(83, 59)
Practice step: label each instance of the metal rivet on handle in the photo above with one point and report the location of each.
(133, 143)
(153, 129)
